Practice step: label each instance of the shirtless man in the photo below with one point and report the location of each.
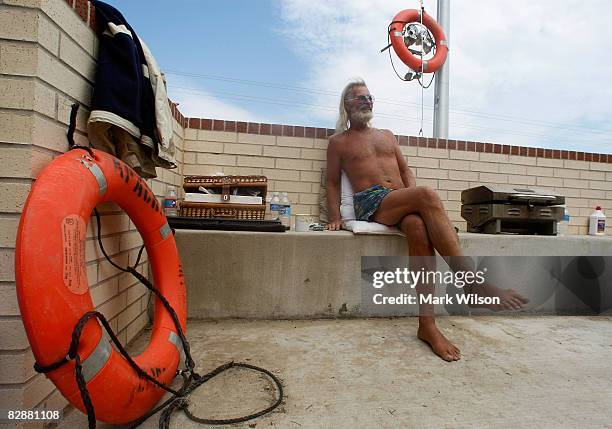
(386, 192)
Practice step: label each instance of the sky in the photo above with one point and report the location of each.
(529, 73)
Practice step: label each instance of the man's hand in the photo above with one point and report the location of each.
(334, 225)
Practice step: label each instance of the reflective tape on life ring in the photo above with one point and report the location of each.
(176, 340)
(97, 173)
(397, 40)
(97, 359)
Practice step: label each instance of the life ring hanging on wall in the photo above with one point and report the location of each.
(396, 34)
(53, 291)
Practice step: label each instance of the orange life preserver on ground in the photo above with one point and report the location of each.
(397, 40)
(53, 291)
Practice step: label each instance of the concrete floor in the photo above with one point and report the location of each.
(544, 372)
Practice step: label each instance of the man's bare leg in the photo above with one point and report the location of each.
(426, 203)
(419, 245)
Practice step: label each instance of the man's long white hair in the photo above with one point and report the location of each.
(342, 123)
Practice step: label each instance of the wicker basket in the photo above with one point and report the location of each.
(225, 186)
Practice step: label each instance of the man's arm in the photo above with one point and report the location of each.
(405, 171)
(333, 185)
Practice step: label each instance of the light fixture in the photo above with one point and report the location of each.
(417, 34)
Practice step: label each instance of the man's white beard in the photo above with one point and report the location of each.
(361, 117)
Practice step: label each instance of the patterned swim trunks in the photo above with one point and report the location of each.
(367, 201)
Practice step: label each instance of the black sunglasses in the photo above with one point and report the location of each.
(367, 98)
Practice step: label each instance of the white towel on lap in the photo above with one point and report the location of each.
(347, 212)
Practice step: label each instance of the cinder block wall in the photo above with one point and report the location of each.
(47, 62)
(292, 158)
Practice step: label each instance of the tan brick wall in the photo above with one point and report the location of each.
(293, 165)
(47, 62)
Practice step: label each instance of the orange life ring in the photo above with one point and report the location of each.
(397, 40)
(53, 291)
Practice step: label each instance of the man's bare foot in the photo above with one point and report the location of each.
(430, 333)
(509, 299)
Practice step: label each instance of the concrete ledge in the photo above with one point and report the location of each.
(317, 274)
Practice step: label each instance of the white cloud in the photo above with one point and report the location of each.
(195, 102)
(542, 65)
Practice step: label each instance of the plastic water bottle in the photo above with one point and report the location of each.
(285, 214)
(170, 206)
(563, 225)
(268, 198)
(275, 206)
(597, 222)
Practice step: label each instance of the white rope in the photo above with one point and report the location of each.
(422, 71)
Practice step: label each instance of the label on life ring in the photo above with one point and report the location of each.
(73, 254)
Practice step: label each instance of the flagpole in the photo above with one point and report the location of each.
(440, 124)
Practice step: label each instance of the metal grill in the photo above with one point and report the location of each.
(499, 209)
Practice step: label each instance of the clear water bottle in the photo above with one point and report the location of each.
(285, 214)
(563, 225)
(170, 205)
(268, 215)
(275, 206)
